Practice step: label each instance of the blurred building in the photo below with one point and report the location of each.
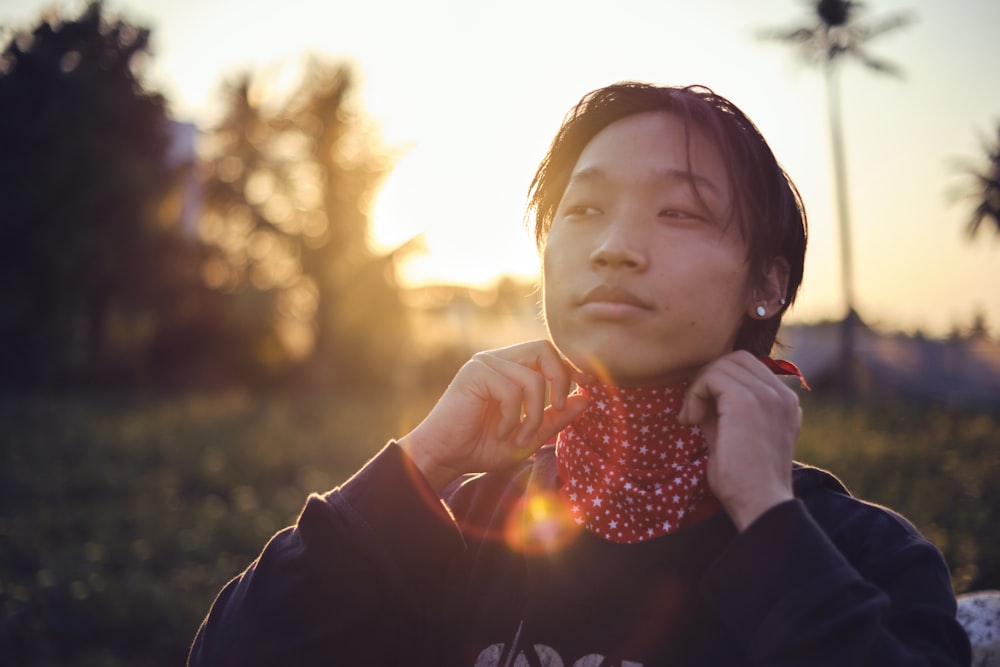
(181, 156)
(961, 371)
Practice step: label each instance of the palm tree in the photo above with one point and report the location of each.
(834, 32)
(986, 191)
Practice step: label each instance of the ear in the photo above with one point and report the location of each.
(767, 299)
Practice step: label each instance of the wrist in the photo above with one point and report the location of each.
(744, 514)
(437, 475)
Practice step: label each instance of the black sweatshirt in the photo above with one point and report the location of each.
(381, 572)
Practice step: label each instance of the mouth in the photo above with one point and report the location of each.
(614, 295)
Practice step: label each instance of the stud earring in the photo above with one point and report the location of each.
(761, 311)
(782, 301)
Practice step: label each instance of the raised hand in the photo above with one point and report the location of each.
(751, 421)
(501, 406)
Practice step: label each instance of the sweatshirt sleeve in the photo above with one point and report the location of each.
(354, 581)
(793, 598)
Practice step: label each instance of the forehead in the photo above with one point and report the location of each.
(654, 145)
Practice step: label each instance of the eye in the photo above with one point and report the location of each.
(581, 210)
(679, 214)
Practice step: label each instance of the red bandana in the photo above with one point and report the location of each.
(630, 470)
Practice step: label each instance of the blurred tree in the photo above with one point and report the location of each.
(835, 31)
(238, 168)
(986, 190)
(90, 249)
(288, 191)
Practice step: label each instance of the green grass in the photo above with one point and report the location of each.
(938, 467)
(121, 518)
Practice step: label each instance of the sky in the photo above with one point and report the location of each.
(471, 93)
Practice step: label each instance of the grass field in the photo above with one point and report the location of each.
(122, 517)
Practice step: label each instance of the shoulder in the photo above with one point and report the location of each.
(831, 503)
(862, 530)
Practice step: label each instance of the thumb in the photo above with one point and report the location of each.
(696, 405)
(555, 420)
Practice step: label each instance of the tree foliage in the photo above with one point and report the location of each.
(99, 280)
(88, 246)
(287, 196)
(837, 29)
(986, 191)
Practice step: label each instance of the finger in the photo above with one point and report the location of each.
(542, 356)
(501, 396)
(740, 376)
(765, 373)
(560, 376)
(556, 420)
(531, 391)
(723, 376)
(696, 403)
(786, 398)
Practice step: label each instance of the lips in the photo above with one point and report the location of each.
(614, 294)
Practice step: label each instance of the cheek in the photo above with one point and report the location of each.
(548, 295)
(553, 274)
(727, 272)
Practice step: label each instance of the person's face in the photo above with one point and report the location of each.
(643, 283)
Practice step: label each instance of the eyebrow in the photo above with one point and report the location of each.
(672, 176)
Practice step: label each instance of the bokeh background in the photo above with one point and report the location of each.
(242, 245)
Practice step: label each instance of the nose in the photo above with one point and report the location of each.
(621, 247)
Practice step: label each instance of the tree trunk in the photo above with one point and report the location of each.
(845, 380)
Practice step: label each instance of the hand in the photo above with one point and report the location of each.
(751, 421)
(495, 412)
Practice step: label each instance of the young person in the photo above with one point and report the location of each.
(623, 493)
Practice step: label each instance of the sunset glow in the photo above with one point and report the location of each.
(469, 96)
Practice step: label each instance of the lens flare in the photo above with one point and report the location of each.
(540, 523)
(596, 368)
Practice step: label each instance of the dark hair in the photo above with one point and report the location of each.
(766, 204)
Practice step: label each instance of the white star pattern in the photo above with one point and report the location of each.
(624, 452)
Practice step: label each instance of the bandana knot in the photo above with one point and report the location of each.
(630, 470)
